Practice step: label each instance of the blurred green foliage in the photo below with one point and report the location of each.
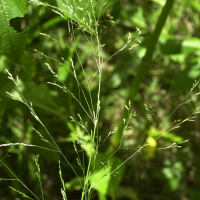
(171, 173)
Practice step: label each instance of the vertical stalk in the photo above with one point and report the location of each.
(95, 115)
(142, 70)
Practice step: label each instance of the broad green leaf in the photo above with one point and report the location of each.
(173, 174)
(170, 45)
(172, 137)
(82, 12)
(195, 5)
(74, 184)
(191, 45)
(85, 13)
(12, 43)
(102, 180)
(165, 135)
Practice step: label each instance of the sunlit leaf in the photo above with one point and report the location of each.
(12, 43)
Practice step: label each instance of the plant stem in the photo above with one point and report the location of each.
(142, 70)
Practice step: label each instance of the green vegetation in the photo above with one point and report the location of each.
(99, 100)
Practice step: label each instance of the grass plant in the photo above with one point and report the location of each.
(87, 145)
